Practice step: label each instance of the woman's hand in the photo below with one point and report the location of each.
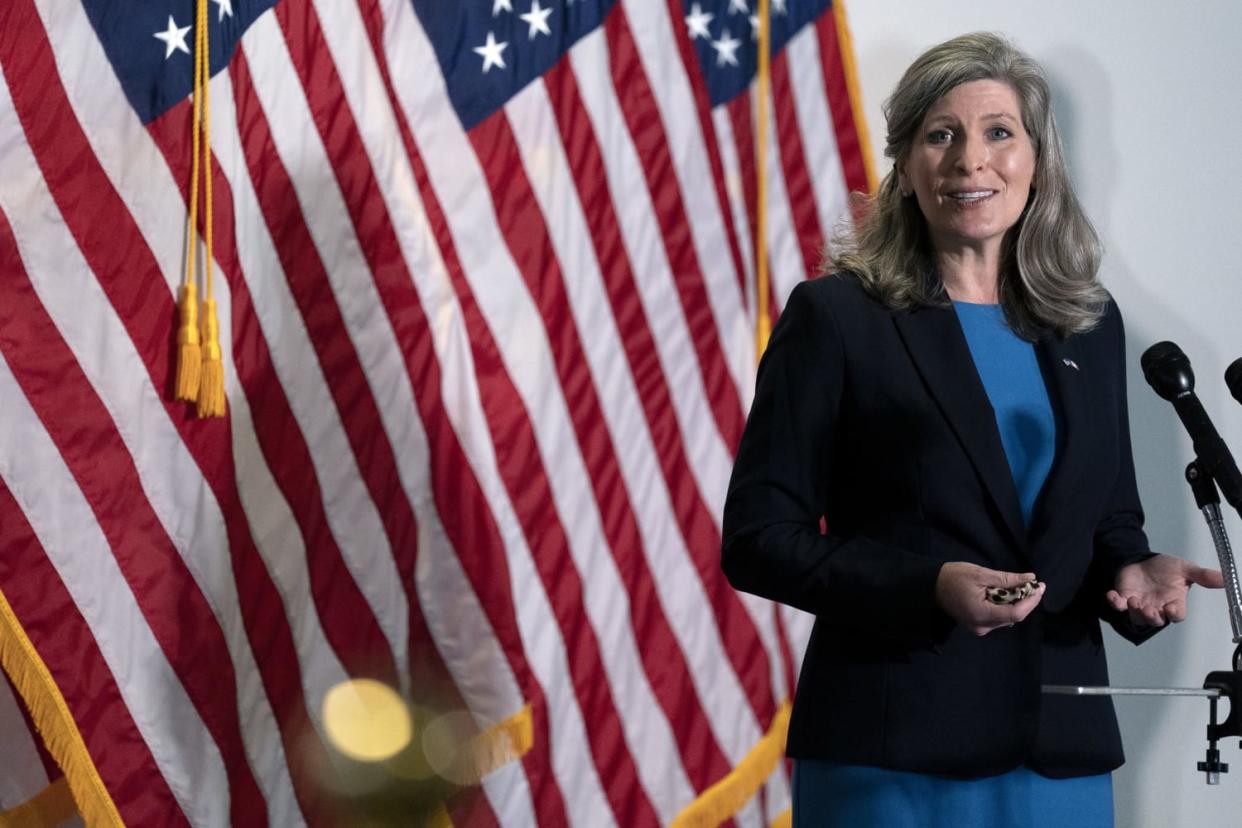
(961, 591)
(1154, 591)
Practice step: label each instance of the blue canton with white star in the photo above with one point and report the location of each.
(725, 34)
(489, 50)
(150, 44)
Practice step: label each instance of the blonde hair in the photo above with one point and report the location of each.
(1051, 256)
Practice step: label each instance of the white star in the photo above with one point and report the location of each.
(174, 38)
(726, 49)
(226, 8)
(537, 19)
(491, 53)
(754, 27)
(738, 7)
(696, 22)
(779, 6)
(501, 5)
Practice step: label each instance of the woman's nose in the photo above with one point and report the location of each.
(971, 155)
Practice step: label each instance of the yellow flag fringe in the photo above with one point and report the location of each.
(53, 721)
(490, 749)
(726, 797)
(503, 742)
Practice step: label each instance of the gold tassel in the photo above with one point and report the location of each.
(189, 356)
(199, 374)
(211, 390)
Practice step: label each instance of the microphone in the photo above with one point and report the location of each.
(1168, 372)
(1233, 378)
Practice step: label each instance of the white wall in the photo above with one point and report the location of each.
(1149, 100)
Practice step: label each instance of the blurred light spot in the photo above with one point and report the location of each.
(366, 720)
(449, 747)
(410, 765)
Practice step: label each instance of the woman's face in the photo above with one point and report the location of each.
(970, 167)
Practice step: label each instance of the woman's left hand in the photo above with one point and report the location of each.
(1154, 591)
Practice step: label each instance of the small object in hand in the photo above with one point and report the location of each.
(1012, 595)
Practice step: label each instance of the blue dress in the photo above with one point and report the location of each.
(827, 794)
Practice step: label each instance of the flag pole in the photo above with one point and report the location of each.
(763, 321)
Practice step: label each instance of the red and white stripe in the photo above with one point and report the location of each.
(484, 389)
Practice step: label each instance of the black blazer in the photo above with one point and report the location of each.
(877, 421)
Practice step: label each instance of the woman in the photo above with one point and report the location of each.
(951, 400)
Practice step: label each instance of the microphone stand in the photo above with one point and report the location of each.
(1213, 471)
(1227, 682)
(1218, 684)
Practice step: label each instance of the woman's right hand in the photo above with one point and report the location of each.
(961, 591)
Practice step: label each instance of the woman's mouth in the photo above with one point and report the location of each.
(970, 197)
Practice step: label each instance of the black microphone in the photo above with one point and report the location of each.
(1233, 378)
(1168, 372)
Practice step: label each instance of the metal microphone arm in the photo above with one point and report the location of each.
(1208, 500)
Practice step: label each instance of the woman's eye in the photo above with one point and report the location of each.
(998, 132)
(939, 136)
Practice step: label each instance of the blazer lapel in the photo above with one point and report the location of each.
(939, 351)
(1069, 383)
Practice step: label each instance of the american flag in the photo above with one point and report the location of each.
(486, 279)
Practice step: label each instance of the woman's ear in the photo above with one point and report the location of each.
(903, 181)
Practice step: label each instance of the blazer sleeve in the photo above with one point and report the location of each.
(773, 546)
(1119, 536)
